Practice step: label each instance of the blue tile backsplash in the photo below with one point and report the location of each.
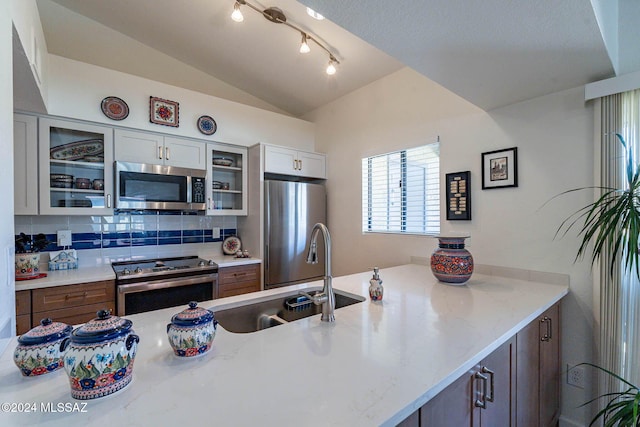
(128, 229)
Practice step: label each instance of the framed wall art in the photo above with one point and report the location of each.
(458, 195)
(500, 168)
(164, 112)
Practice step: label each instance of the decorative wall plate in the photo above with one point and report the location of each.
(114, 108)
(207, 125)
(164, 112)
(77, 149)
(231, 245)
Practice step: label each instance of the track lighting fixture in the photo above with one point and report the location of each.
(276, 16)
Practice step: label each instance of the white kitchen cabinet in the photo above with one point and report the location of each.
(150, 148)
(226, 180)
(25, 164)
(76, 168)
(287, 161)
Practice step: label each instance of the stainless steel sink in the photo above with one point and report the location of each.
(277, 310)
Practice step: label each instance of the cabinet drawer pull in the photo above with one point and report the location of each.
(299, 164)
(548, 335)
(160, 156)
(75, 296)
(486, 370)
(482, 402)
(166, 151)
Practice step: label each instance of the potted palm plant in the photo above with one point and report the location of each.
(612, 224)
(27, 258)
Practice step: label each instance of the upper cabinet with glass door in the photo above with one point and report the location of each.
(76, 168)
(226, 180)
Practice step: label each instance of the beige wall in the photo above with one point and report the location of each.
(510, 227)
(77, 88)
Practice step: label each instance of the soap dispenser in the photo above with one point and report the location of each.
(375, 286)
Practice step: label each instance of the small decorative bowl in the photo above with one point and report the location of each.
(222, 161)
(39, 351)
(100, 354)
(83, 183)
(191, 331)
(98, 184)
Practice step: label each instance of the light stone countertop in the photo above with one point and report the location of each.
(375, 365)
(105, 272)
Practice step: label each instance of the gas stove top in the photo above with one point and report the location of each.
(160, 267)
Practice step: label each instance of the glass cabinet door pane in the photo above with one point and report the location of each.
(76, 166)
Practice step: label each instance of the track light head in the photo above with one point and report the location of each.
(237, 14)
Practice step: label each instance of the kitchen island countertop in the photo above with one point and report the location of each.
(377, 364)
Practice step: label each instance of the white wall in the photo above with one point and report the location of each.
(76, 90)
(26, 21)
(510, 227)
(7, 282)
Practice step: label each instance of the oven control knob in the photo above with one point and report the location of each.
(211, 262)
(126, 271)
(138, 270)
(201, 263)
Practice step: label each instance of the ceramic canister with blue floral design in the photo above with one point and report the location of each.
(99, 356)
(39, 350)
(191, 331)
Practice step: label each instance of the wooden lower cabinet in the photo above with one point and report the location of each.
(538, 391)
(72, 304)
(526, 384)
(23, 312)
(238, 280)
(482, 397)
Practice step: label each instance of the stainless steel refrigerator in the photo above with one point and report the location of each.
(291, 211)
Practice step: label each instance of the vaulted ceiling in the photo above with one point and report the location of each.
(491, 52)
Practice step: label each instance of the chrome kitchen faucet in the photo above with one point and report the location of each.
(326, 297)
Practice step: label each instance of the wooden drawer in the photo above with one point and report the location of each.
(237, 288)
(238, 280)
(241, 273)
(74, 315)
(60, 297)
(23, 302)
(23, 323)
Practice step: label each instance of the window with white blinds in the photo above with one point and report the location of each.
(401, 191)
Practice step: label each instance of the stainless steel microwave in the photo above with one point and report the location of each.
(159, 187)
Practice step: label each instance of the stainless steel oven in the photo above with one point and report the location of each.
(161, 283)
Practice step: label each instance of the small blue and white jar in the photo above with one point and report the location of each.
(39, 351)
(191, 332)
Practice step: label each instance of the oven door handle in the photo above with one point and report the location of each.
(161, 284)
